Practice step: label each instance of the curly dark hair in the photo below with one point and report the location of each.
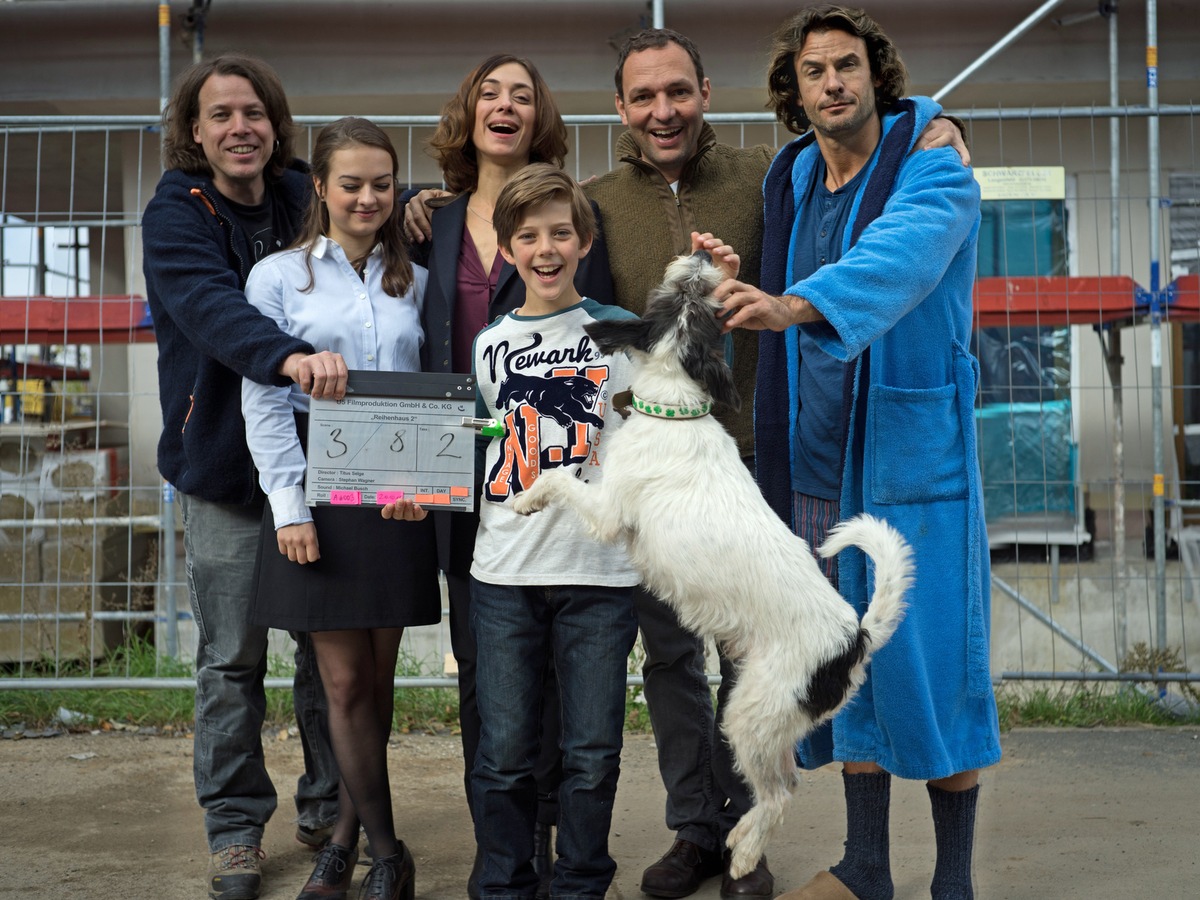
(886, 65)
(451, 144)
(180, 150)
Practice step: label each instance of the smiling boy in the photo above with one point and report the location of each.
(541, 585)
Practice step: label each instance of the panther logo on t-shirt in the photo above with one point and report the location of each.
(548, 412)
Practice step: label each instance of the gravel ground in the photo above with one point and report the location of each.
(1089, 814)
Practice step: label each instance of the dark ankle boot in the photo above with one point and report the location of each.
(543, 860)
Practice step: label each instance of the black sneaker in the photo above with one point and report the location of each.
(390, 877)
(332, 874)
(235, 872)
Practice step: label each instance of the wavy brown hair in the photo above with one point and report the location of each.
(886, 65)
(354, 132)
(451, 144)
(180, 150)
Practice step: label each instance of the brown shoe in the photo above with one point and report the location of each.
(331, 875)
(681, 871)
(825, 886)
(758, 883)
(235, 872)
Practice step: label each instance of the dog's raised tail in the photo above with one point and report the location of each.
(892, 557)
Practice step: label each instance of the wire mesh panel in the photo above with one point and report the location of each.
(90, 546)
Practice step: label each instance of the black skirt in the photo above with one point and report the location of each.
(373, 573)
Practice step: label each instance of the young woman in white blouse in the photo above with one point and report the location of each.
(344, 574)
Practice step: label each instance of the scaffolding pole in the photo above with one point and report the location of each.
(1156, 316)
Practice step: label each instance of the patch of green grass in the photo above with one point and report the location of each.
(169, 708)
(435, 710)
(417, 709)
(429, 710)
(1082, 706)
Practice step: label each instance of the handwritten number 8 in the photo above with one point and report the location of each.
(397, 446)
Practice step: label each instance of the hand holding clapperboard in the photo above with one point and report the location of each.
(394, 436)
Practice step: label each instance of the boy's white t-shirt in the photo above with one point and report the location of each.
(545, 381)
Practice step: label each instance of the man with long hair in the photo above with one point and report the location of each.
(864, 403)
(231, 194)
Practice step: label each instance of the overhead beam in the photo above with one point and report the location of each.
(1032, 19)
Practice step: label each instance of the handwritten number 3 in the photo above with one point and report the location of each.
(336, 436)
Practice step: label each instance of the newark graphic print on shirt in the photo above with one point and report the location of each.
(551, 401)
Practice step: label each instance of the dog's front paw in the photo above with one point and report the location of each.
(529, 502)
(549, 487)
(742, 849)
(526, 505)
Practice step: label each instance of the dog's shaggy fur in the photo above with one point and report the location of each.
(705, 541)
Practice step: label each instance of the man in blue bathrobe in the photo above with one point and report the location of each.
(864, 402)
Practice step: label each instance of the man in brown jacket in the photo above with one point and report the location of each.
(675, 178)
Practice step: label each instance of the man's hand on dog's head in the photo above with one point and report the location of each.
(748, 307)
(723, 256)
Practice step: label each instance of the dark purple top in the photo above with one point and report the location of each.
(474, 288)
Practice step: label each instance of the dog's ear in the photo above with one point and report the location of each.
(611, 335)
(708, 367)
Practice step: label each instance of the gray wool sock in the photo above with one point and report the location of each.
(954, 835)
(866, 867)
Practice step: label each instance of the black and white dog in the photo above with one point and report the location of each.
(705, 541)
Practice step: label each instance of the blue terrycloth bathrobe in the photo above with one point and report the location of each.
(898, 306)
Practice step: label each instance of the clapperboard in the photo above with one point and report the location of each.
(395, 435)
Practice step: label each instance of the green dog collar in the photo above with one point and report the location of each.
(666, 411)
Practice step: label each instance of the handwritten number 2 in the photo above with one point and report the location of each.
(447, 440)
(335, 436)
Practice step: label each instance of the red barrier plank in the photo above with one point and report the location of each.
(1055, 300)
(74, 320)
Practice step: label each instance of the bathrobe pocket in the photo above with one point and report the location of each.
(915, 445)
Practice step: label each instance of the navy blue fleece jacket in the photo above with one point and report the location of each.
(196, 259)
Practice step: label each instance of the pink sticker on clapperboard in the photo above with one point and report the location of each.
(345, 498)
(385, 497)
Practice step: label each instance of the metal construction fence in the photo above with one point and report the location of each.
(1088, 335)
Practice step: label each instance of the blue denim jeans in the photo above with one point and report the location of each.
(548, 770)
(590, 631)
(232, 784)
(705, 796)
